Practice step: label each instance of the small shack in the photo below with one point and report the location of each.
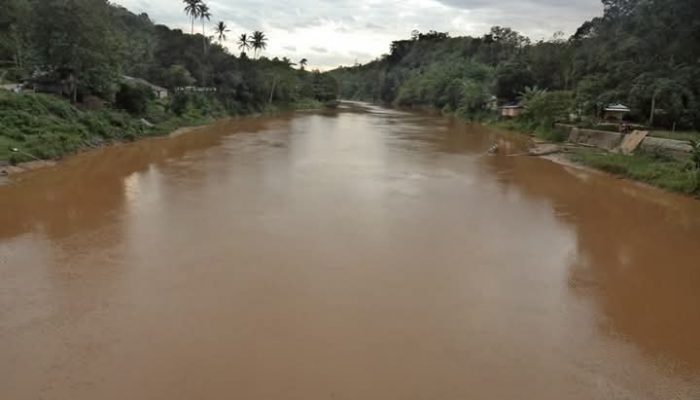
(615, 112)
(512, 111)
(12, 87)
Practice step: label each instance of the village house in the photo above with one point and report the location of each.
(512, 111)
(615, 112)
(12, 87)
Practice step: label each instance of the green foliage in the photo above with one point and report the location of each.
(641, 53)
(544, 109)
(48, 127)
(324, 87)
(511, 79)
(448, 85)
(696, 153)
(76, 40)
(176, 76)
(134, 98)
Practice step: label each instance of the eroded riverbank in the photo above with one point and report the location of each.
(358, 253)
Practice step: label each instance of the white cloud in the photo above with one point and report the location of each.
(341, 32)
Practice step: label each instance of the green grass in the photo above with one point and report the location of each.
(667, 174)
(5, 145)
(48, 127)
(550, 134)
(678, 135)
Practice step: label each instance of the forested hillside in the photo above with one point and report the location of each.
(643, 53)
(89, 51)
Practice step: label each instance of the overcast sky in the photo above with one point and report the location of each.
(330, 33)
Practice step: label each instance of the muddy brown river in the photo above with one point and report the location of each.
(362, 253)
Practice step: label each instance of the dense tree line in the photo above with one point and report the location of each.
(95, 64)
(643, 53)
(87, 46)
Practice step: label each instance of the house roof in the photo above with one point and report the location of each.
(618, 107)
(11, 86)
(143, 82)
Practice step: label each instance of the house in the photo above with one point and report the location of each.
(196, 89)
(12, 87)
(159, 92)
(615, 112)
(512, 111)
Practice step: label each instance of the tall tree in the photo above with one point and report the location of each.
(303, 63)
(259, 42)
(221, 30)
(192, 10)
(76, 43)
(244, 43)
(204, 14)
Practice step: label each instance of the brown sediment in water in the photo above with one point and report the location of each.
(359, 253)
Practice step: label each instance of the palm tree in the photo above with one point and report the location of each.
(530, 93)
(244, 43)
(203, 13)
(221, 30)
(303, 63)
(192, 10)
(259, 42)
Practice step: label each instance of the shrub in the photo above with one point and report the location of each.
(179, 103)
(545, 109)
(134, 98)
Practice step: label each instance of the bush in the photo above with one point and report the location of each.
(134, 98)
(545, 109)
(50, 127)
(179, 103)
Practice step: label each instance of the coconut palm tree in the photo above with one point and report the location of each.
(303, 63)
(244, 43)
(221, 30)
(203, 13)
(259, 42)
(192, 10)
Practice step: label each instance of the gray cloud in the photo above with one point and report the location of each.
(333, 32)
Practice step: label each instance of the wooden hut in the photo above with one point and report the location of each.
(512, 111)
(615, 112)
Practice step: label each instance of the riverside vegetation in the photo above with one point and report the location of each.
(81, 51)
(643, 53)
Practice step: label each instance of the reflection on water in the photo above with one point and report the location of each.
(359, 253)
(639, 252)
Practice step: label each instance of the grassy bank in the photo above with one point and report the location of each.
(665, 173)
(551, 134)
(48, 127)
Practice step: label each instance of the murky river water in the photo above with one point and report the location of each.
(359, 254)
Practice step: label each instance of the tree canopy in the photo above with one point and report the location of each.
(644, 53)
(85, 47)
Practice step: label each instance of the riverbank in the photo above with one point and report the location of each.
(651, 169)
(39, 130)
